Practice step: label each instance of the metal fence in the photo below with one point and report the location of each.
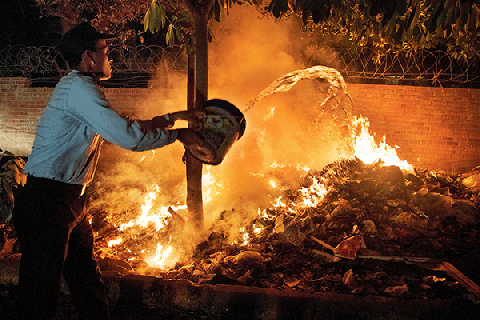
(135, 65)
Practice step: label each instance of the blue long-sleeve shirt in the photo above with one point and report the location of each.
(72, 127)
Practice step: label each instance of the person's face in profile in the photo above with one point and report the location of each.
(102, 66)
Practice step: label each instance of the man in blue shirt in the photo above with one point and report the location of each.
(55, 237)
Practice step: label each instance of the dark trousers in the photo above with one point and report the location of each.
(56, 238)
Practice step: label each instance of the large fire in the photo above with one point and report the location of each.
(157, 236)
(161, 251)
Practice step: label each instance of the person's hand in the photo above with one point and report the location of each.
(190, 137)
(162, 123)
(194, 118)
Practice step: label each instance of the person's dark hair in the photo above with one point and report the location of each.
(73, 55)
(77, 40)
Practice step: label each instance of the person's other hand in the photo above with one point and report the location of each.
(190, 137)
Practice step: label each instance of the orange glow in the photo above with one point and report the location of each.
(151, 222)
(148, 217)
(114, 242)
(313, 195)
(281, 145)
(163, 257)
(367, 150)
(211, 187)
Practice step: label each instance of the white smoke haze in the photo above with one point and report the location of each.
(248, 52)
(286, 133)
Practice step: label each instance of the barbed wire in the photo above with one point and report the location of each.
(46, 64)
(427, 68)
(138, 63)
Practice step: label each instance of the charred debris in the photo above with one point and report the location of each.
(378, 231)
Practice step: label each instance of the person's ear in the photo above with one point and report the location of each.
(89, 55)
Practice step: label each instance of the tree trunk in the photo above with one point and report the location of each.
(200, 96)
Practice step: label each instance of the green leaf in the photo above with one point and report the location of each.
(152, 18)
(179, 35)
(465, 9)
(181, 19)
(431, 23)
(155, 18)
(441, 19)
(161, 15)
(450, 18)
(157, 23)
(170, 36)
(412, 27)
(146, 20)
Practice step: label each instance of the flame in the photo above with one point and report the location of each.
(151, 221)
(163, 257)
(367, 150)
(114, 242)
(211, 187)
(149, 217)
(313, 195)
(164, 254)
(246, 237)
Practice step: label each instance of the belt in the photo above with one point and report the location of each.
(74, 189)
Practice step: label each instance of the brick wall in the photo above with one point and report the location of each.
(436, 128)
(21, 107)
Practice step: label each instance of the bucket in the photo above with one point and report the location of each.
(222, 126)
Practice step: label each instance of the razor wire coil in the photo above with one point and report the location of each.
(426, 68)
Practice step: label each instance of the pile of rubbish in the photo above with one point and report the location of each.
(378, 231)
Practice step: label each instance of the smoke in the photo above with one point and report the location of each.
(286, 133)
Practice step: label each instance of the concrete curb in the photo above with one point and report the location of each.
(241, 302)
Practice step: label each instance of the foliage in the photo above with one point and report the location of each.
(115, 16)
(11, 178)
(174, 19)
(384, 26)
(450, 25)
(157, 16)
(119, 16)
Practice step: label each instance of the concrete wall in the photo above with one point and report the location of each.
(435, 128)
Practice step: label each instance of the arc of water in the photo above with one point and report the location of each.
(287, 81)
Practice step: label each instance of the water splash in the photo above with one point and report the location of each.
(357, 141)
(337, 89)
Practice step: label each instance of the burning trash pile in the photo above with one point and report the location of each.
(350, 228)
(367, 223)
